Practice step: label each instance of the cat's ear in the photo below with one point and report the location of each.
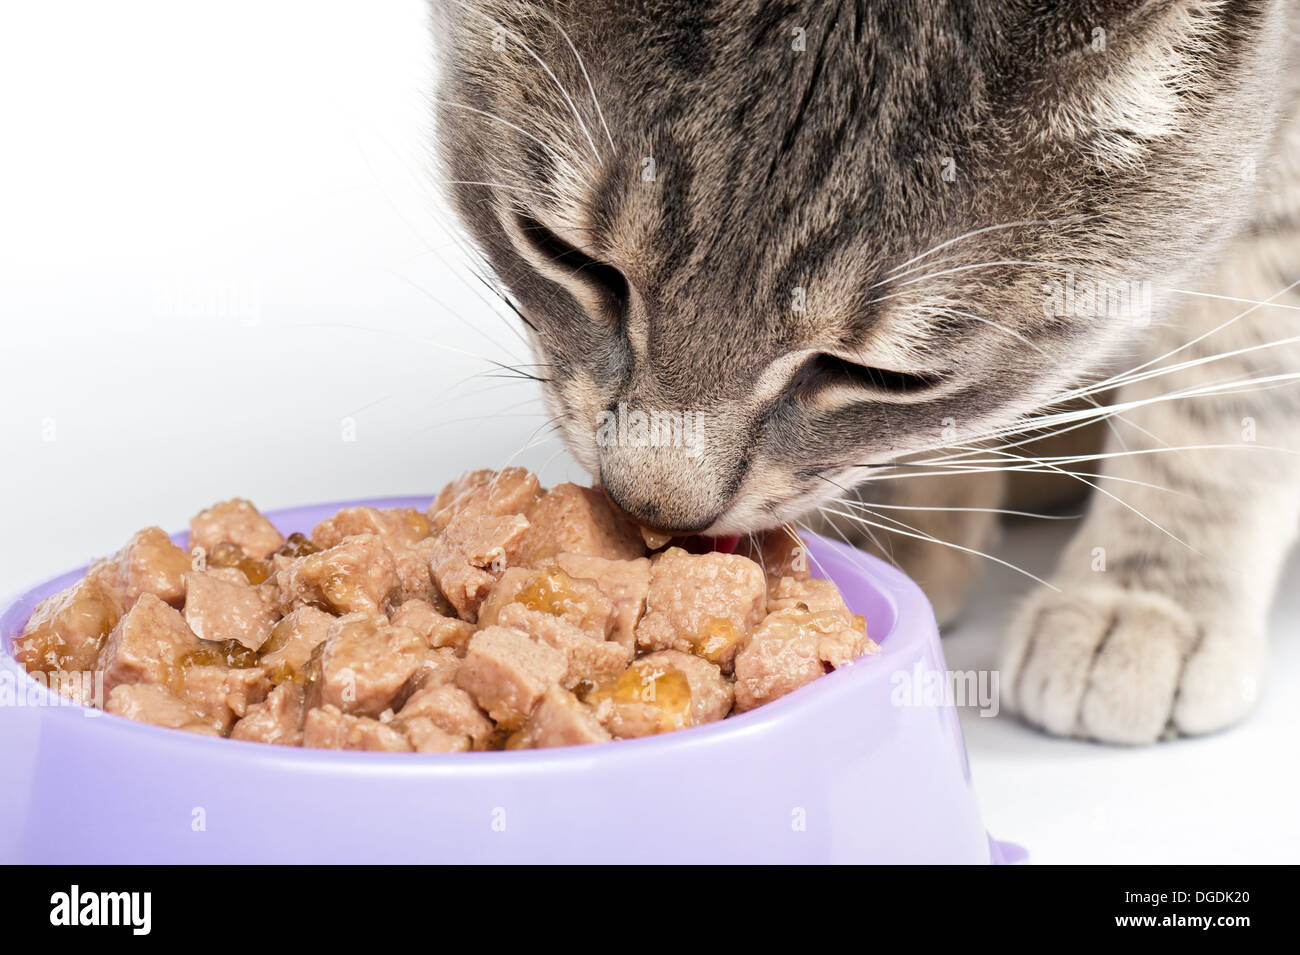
(1113, 76)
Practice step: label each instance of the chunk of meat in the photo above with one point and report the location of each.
(587, 656)
(452, 709)
(811, 594)
(355, 576)
(220, 610)
(711, 692)
(326, 727)
(843, 631)
(507, 672)
(147, 645)
(551, 591)
(779, 658)
(295, 545)
(287, 650)
(471, 555)
(643, 700)
(220, 695)
(277, 719)
(436, 629)
(578, 520)
(238, 522)
(497, 493)
(395, 525)
(625, 582)
(365, 663)
(66, 631)
(702, 603)
(453, 489)
(230, 561)
(230, 575)
(414, 566)
(505, 617)
(560, 720)
(156, 704)
(149, 563)
(437, 665)
(654, 540)
(426, 736)
(780, 552)
(793, 647)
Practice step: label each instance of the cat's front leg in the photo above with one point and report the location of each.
(1159, 626)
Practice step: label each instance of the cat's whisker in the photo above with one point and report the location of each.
(546, 193)
(1135, 452)
(564, 163)
(1056, 469)
(539, 437)
(1127, 375)
(415, 339)
(1061, 422)
(908, 531)
(454, 313)
(480, 417)
(549, 72)
(1217, 328)
(1149, 373)
(975, 510)
(844, 537)
(959, 469)
(541, 470)
(452, 232)
(1266, 303)
(839, 532)
(790, 532)
(945, 310)
(600, 113)
(997, 263)
(968, 235)
(1042, 351)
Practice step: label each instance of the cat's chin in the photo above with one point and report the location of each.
(752, 517)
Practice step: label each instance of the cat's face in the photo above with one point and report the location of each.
(745, 241)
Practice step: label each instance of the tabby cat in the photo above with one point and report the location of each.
(875, 249)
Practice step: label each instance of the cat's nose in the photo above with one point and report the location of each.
(667, 491)
(658, 512)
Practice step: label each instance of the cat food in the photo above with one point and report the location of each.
(505, 617)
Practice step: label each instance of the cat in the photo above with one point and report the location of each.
(876, 247)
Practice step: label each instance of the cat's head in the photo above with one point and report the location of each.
(763, 245)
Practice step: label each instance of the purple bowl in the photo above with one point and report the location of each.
(830, 773)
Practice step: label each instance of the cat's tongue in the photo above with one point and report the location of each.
(722, 545)
(699, 544)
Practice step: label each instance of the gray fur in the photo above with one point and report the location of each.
(790, 189)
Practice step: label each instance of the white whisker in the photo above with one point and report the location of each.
(968, 235)
(542, 63)
(908, 531)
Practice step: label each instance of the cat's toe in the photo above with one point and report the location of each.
(1101, 663)
(1222, 679)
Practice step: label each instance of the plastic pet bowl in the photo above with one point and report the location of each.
(833, 772)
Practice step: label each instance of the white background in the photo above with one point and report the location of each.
(222, 256)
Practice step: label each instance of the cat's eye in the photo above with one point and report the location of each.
(824, 369)
(604, 279)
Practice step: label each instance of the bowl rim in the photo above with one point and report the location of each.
(909, 607)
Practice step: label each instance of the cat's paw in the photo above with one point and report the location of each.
(1123, 666)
